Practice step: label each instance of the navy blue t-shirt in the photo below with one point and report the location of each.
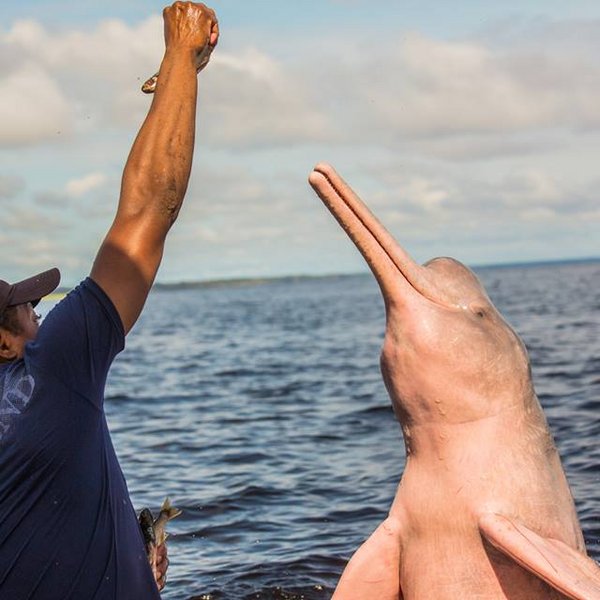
(67, 526)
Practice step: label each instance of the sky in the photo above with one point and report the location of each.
(470, 128)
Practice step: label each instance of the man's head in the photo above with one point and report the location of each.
(18, 321)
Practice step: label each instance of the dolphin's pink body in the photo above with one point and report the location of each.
(483, 510)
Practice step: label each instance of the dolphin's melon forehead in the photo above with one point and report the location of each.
(456, 280)
(447, 262)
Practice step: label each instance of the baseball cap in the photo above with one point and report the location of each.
(31, 290)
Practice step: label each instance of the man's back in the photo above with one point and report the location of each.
(66, 513)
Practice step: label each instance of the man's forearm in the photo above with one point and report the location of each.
(158, 168)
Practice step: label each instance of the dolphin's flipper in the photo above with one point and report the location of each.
(570, 572)
(374, 569)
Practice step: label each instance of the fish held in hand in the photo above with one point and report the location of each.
(154, 530)
(188, 26)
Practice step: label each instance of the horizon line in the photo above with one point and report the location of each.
(256, 280)
(261, 279)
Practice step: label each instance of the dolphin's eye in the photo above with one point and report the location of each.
(478, 311)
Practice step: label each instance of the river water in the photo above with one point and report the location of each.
(260, 410)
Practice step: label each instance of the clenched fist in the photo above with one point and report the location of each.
(191, 25)
(188, 26)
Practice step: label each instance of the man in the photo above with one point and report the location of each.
(67, 526)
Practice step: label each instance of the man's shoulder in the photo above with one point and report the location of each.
(88, 303)
(78, 340)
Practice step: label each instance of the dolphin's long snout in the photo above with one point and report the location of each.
(385, 257)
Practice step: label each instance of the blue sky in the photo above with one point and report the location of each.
(471, 128)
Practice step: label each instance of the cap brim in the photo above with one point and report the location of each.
(35, 288)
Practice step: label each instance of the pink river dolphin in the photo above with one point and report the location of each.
(483, 510)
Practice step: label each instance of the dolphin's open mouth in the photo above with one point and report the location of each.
(386, 258)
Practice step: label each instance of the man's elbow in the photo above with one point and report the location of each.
(146, 205)
(171, 200)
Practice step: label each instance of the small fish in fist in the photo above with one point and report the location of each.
(189, 26)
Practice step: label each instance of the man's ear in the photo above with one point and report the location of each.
(8, 349)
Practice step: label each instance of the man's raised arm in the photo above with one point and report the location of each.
(158, 168)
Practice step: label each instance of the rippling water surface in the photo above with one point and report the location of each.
(261, 412)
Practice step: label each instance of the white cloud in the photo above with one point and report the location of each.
(62, 81)
(32, 106)
(422, 200)
(461, 87)
(110, 52)
(79, 187)
(409, 87)
(250, 98)
(254, 100)
(420, 87)
(427, 194)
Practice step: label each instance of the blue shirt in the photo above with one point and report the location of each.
(67, 526)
